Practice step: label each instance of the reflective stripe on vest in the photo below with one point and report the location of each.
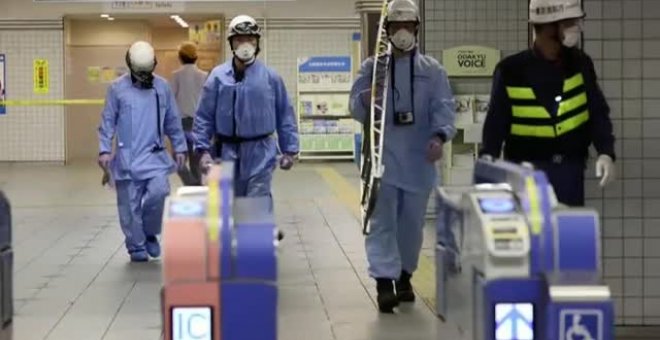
(534, 110)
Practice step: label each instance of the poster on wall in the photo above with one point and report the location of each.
(207, 34)
(41, 76)
(470, 61)
(324, 73)
(93, 74)
(108, 74)
(3, 85)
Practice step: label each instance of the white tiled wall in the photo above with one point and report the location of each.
(501, 24)
(623, 38)
(32, 133)
(283, 44)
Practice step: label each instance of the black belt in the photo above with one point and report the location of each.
(223, 139)
(551, 159)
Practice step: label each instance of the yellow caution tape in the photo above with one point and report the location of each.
(213, 211)
(51, 102)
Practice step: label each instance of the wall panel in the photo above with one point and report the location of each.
(32, 133)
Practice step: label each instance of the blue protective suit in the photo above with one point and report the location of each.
(140, 172)
(249, 112)
(398, 219)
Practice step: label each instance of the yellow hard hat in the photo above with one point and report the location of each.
(188, 50)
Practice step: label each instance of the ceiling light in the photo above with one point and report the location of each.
(111, 19)
(180, 21)
(105, 15)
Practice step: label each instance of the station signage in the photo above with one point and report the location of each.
(138, 1)
(192, 323)
(470, 61)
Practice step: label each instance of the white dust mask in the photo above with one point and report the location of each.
(403, 40)
(571, 36)
(245, 52)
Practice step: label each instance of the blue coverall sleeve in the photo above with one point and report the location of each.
(106, 130)
(361, 87)
(602, 134)
(204, 122)
(442, 109)
(498, 118)
(172, 124)
(287, 130)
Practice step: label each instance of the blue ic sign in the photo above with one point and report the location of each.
(192, 323)
(514, 321)
(581, 324)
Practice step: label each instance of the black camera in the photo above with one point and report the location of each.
(404, 118)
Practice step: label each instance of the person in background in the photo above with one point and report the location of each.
(419, 120)
(546, 106)
(139, 110)
(243, 104)
(187, 83)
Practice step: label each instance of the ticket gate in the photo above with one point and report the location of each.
(6, 270)
(219, 263)
(514, 264)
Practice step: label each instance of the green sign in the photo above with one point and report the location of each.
(470, 61)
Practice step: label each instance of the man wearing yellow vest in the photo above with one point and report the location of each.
(546, 106)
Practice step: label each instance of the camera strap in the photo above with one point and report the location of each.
(412, 80)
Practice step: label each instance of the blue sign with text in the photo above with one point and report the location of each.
(581, 324)
(325, 64)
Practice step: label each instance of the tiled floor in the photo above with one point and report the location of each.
(73, 280)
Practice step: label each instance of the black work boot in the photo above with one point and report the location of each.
(386, 298)
(404, 290)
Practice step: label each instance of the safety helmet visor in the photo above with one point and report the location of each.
(246, 28)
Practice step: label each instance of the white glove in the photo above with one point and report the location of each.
(605, 169)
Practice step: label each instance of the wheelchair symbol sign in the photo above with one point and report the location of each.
(581, 324)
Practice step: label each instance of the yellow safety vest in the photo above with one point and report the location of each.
(531, 119)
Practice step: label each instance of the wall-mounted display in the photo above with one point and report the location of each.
(461, 153)
(326, 127)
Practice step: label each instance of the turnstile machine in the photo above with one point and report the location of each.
(512, 264)
(220, 263)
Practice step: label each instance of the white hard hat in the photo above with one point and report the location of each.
(402, 11)
(244, 25)
(547, 11)
(141, 56)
